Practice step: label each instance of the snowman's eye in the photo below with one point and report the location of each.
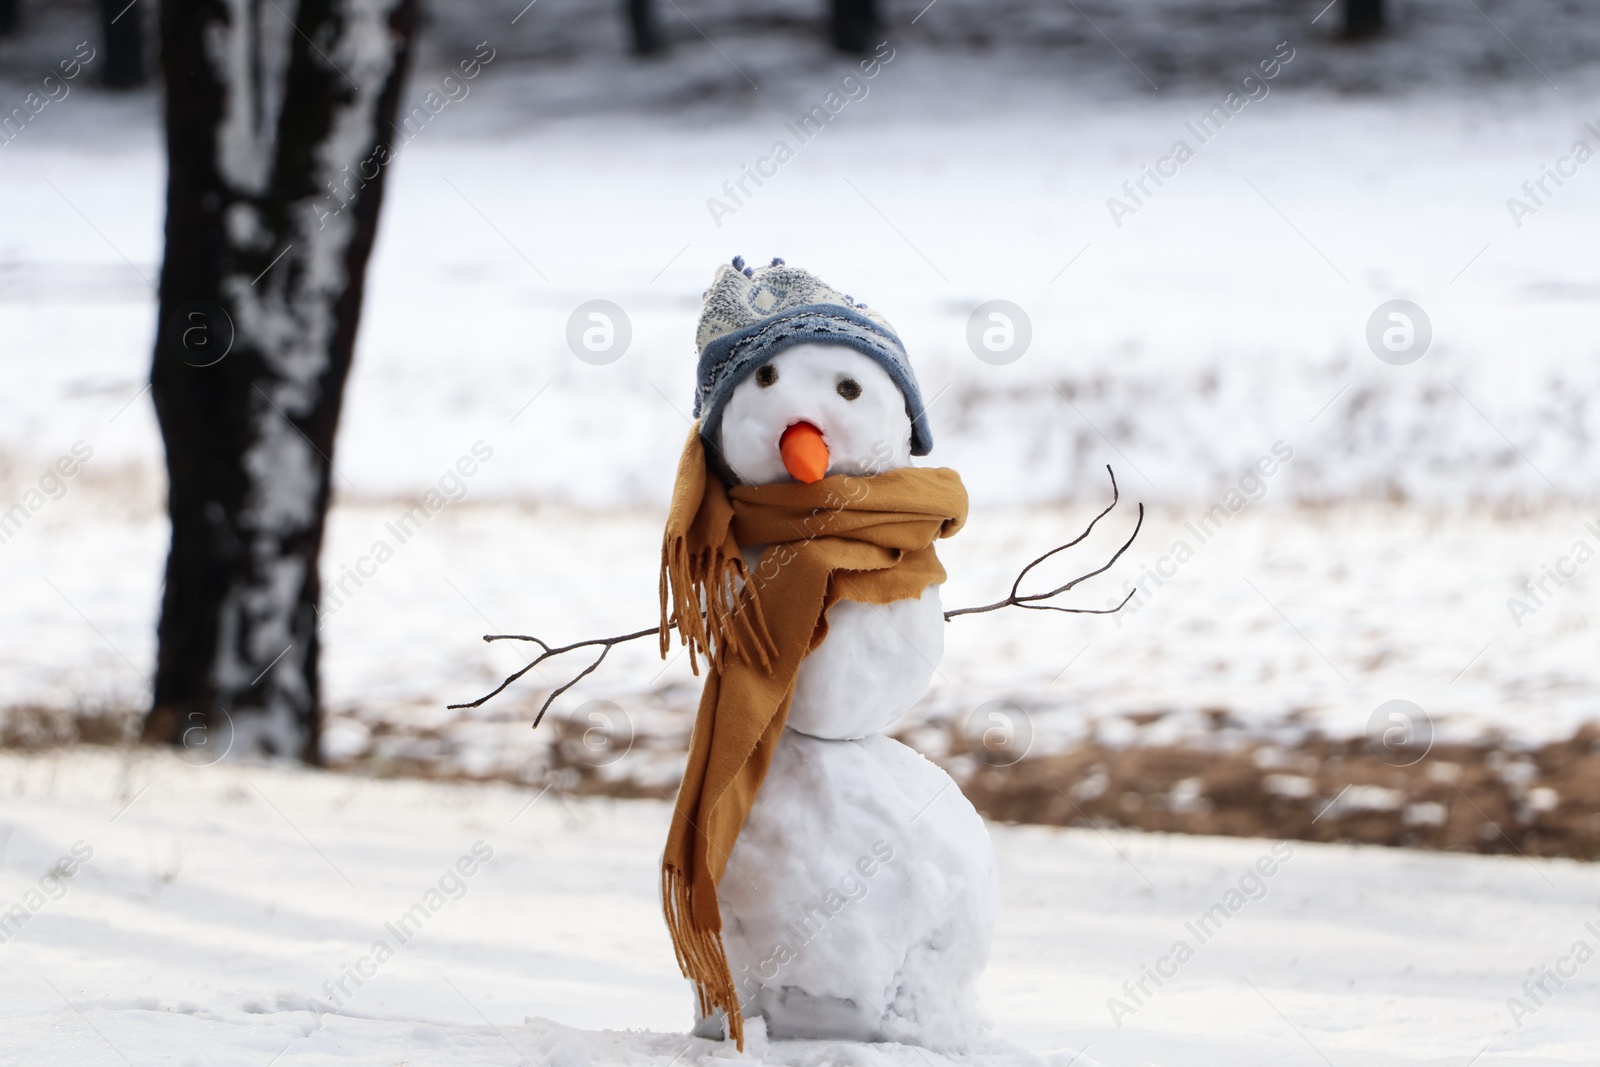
(767, 375)
(849, 388)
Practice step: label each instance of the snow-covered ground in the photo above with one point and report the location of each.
(219, 908)
(1378, 602)
(1228, 315)
(1224, 320)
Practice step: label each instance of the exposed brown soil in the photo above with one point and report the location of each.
(1541, 801)
(1461, 798)
(31, 729)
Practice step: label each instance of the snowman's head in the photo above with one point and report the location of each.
(798, 381)
(814, 410)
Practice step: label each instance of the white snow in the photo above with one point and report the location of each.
(219, 901)
(1192, 338)
(871, 669)
(859, 900)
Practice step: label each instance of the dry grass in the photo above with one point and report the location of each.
(1485, 798)
(1459, 798)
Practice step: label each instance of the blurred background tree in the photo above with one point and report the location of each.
(276, 177)
(122, 30)
(1363, 18)
(854, 25)
(644, 28)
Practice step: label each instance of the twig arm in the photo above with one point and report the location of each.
(1017, 599)
(605, 644)
(1034, 601)
(548, 651)
(1137, 526)
(1009, 603)
(1116, 495)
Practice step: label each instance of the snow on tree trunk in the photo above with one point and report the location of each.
(276, 144)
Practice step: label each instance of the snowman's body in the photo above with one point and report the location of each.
(859, 900)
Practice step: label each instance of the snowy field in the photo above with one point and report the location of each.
(219, 908)
(1227, 315)
(1179, 347)
(212, 911)
(1362, 623)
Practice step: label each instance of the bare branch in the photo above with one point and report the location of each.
(1033, 601)
(1017, 599)
(605, 644)
(1116, 495)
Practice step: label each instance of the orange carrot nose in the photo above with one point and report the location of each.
(805, 453)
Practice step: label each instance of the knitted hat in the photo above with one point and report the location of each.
(752, 314)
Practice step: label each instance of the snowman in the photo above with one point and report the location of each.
(821, 876)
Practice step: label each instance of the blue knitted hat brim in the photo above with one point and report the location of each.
(733, 357)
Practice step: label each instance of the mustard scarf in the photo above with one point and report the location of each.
(863, 538)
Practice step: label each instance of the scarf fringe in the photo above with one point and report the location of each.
(702, 596)
(701, 956)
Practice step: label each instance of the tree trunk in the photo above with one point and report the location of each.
(268, 232)
(644, 31)
(10, 17)
(122, 30)
(855, 25)
(1363, 18)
